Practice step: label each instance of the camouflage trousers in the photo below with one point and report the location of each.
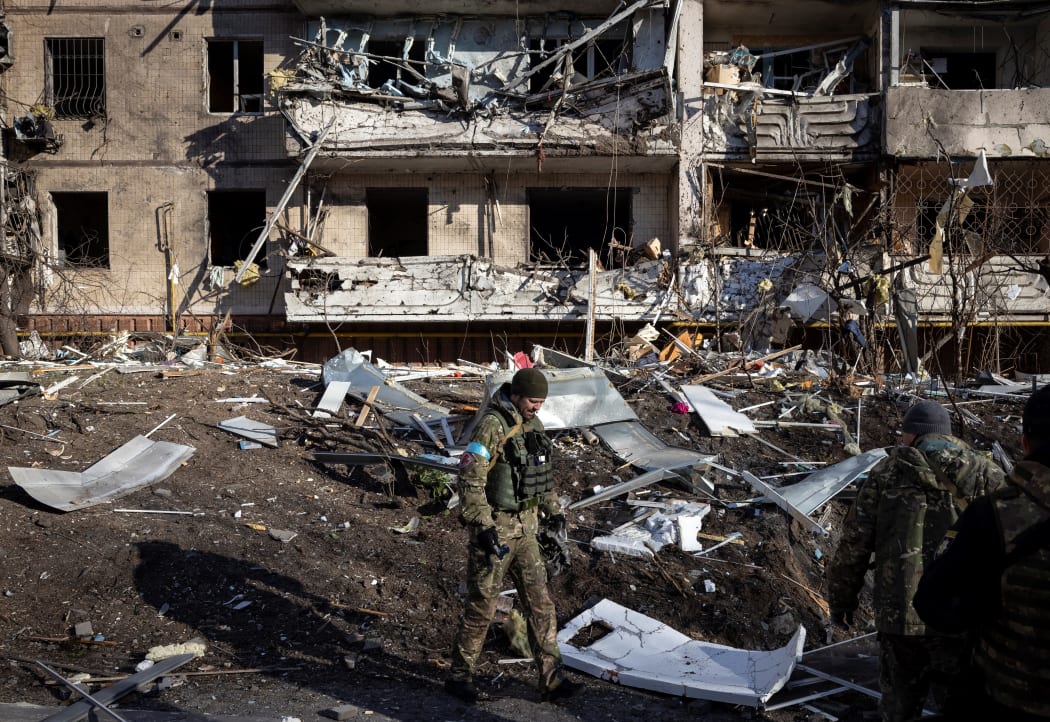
(914, 666)
(485, 574)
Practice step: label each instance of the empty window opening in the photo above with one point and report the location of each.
(566, 223)
(397, 221)
(605, 57)
(772, 225)
(391, 69)
(82, 228)
(76, 76)
(790, 71)
(959, 71)
(235, 76)
(805, 69)
(235, 219)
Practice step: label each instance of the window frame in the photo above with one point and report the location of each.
(237, 198)
(95, 100)
(85, 260)
(238, 98)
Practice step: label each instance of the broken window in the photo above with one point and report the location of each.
(82, 228)
(959, 70)
(75, 76)
(397, 221)
(235, 76)
(565, 223)
(773, 224)
(235, 219)
(606, 56)
(381, 72)
(803, 69)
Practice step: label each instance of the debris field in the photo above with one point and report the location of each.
(301, 547)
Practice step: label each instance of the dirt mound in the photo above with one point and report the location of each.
(311, 584)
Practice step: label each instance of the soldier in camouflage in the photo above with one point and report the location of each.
(505, 486)
(900, 515)
(992, 580)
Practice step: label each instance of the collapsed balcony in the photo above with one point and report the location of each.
(815, 109)
(458, 87)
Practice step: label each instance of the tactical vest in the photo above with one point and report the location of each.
(523, 470)
(1014, 651)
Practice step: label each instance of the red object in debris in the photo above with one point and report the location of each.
(522, 361)
(680, 407)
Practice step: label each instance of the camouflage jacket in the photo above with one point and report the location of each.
(903, 510)
(475, 507)
(992, 580)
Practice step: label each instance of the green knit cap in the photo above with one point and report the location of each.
(530, 383)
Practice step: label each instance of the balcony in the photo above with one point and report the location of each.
(927, 123)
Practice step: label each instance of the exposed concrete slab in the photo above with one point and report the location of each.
(1007, 125)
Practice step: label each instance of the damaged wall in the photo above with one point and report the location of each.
(154, 144)
(487, 157)
(1004, 123)
(494, 86)
(482, 215)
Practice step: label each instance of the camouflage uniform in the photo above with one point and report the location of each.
(485, 505)
(993, 581)
(901, 514)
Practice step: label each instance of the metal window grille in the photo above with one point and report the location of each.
(1012, 216)
(76, 77)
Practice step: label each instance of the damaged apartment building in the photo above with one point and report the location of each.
(436, 180)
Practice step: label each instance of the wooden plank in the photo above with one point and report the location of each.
(371, 399)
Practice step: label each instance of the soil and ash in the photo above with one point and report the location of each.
(350, 610)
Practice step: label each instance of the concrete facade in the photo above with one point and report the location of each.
(744, 142)
(157, 144)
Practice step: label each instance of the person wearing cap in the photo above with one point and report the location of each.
(901, 513)
(506, 484)
(991, 580)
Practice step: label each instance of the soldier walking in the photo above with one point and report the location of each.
(900, 515)
(505, 486)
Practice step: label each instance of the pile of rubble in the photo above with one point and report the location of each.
(704, 491)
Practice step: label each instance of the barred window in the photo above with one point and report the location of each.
(76, 77)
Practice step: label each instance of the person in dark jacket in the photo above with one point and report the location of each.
(992, 580)
(900, 516)
(505, 486)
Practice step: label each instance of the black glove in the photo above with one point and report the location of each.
(489, 543)
(842, 618)
(556, 526)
